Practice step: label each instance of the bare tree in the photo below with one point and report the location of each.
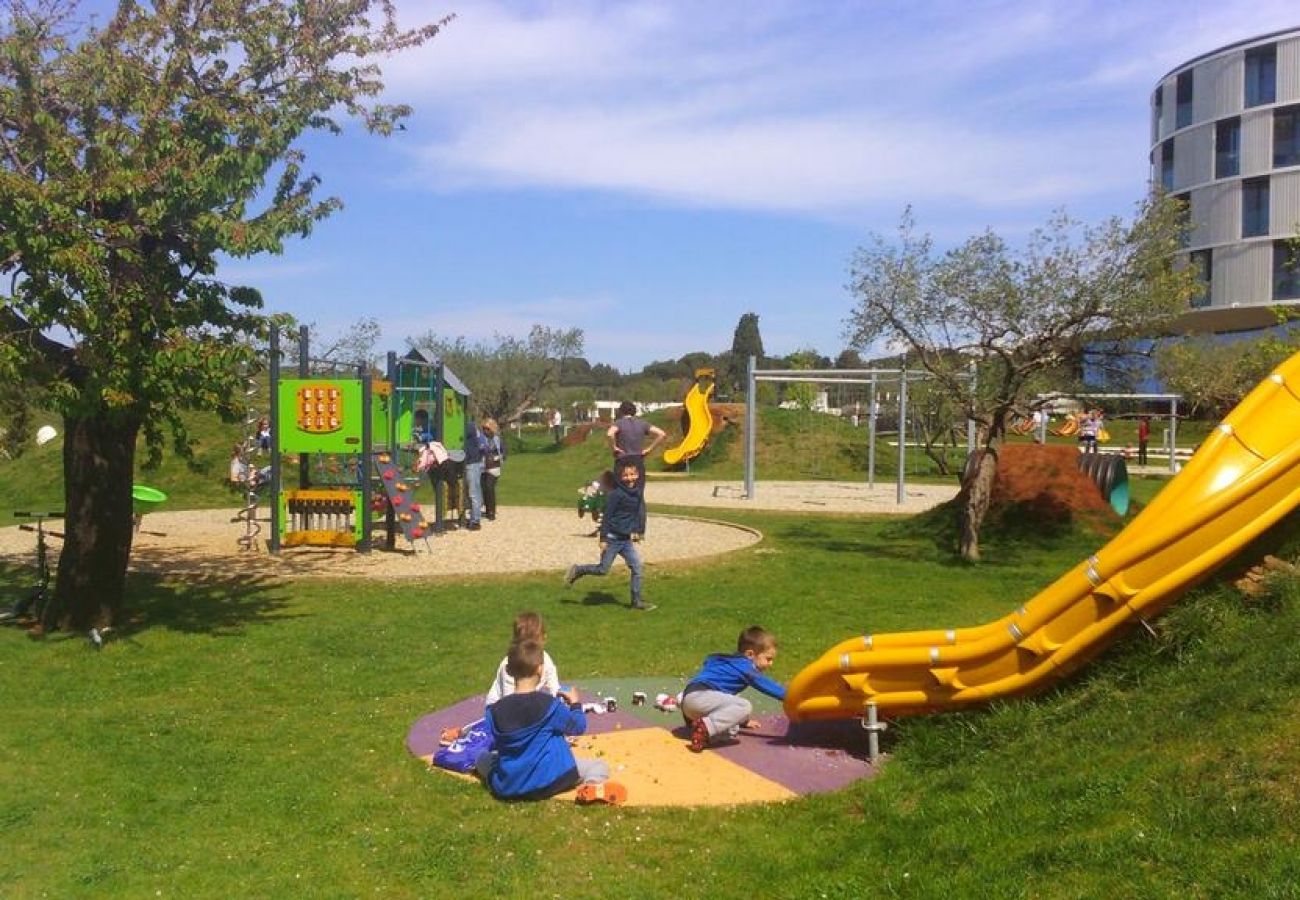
(1072, 295)
(506, 374)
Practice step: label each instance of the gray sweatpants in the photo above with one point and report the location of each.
(722, 713)
(590, 771)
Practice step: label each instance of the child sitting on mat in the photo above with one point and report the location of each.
(709, 701)
(529, 626)
(532, 759)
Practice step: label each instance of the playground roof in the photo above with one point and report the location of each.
(416, 355)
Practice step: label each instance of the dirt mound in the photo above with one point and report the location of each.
(1040, 486)
(580, 432)
(725, 414)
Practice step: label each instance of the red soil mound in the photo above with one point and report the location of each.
(725, 414)
(1042, 484)
(579, 433)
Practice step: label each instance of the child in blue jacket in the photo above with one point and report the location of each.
(620, 525)
(532, 759)
(710, 702)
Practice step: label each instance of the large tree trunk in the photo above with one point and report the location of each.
(976, 492)
(98, 467)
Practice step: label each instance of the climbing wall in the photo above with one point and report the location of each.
(399, 488)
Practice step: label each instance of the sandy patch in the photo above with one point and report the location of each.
(800, 496)
(522, 539)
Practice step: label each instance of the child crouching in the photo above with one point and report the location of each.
(709, 701)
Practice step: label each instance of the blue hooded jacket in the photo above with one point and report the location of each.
(534, 759)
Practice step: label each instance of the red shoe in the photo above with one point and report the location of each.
(699, 736)
(611, 793)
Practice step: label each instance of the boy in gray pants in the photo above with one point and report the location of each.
(710, 702)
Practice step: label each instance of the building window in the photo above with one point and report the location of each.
(1261, 75)
(1157, 112)
(1227, 148)
(1286, 272)
(1286, 136)
(1183, 104)
(1203, 264)
(1254, 207)
(1167, 165)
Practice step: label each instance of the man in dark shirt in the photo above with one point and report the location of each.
(627, 436)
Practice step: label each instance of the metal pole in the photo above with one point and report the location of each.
(1173, 433)
(304, 369)
(439, 502)
(902, 427)
(873, 727)
(871, 436)
(273, 541)
(367, 452)
(751, 426)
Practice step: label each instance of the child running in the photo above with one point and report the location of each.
(709, 702)
(532, 759)
(624, 517)
(529, 626)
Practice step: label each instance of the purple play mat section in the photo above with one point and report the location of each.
(808, 759)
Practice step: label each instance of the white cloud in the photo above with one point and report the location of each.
(823, 109)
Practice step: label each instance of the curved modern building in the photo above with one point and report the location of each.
(1225, 137)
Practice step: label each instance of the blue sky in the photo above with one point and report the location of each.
(650, 171)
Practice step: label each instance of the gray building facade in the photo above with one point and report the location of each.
(1225, 137)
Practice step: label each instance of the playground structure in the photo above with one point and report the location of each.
(699, 419)
(351, 434)
(1240, 482)
(1071, 424)
(875, 380)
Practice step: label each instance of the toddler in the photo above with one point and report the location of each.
(710, 702)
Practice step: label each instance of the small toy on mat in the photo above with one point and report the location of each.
(666, 702)
(610, 793)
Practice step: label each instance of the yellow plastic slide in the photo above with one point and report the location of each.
(1242, 480)
(701, 420)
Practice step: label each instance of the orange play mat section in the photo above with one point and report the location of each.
(646, 751)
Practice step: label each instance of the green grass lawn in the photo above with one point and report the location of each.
(245, 737)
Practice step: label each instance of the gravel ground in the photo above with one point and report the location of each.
(800, 496)
(523, 539)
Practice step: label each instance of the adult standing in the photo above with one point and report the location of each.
(1089, 428)
(626, 437)
(475, 451)
(441, 468)
(1144, 436)
(557, 425)
(494, 456)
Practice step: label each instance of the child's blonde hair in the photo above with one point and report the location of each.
(529, 626)
(755, 638)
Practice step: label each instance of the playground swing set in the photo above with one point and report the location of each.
(351, 435)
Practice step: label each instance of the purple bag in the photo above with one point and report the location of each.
(461, 754)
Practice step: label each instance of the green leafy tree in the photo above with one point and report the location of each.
(1071, 296)
(1214, 375)
(132, 156)
(849, 359)
(745, 342)
(801, 393)
(507, 374)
